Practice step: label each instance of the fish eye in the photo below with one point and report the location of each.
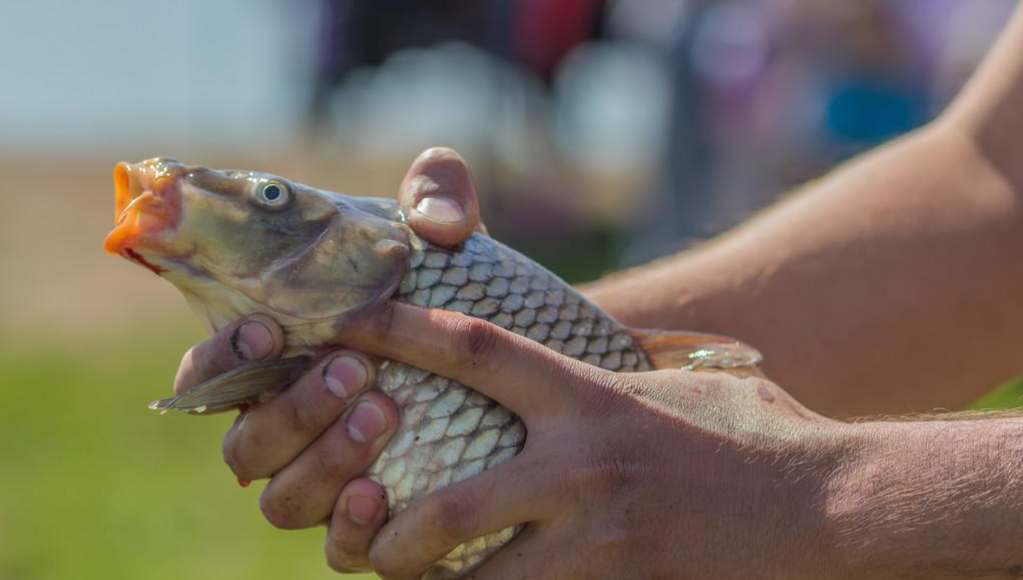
(272, 194)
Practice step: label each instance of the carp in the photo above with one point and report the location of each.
(238, 242)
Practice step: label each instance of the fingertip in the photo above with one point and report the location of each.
(439, 197)
(373, 419)
(229, 448)
(441, 210)
(184, 379)
(364, 502)
(347, 373)
(437, 160)
(359, 513)
(438, 234)
(256, 337)
(365, 486)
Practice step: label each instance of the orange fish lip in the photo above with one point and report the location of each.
(146, 204)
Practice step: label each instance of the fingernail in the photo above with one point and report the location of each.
(440, 209)
(252, 341)
(366, 423)
(345, 376)
(362, 509)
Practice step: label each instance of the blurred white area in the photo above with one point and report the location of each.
(450, 94)
(659, 122)
(664, 120)
(201, 79)
(613, 103)
(150, 74)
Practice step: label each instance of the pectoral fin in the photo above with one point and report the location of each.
(244, 384)
(695, 351)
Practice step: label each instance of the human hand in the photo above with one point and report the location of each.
(667, 474)
(296, 438)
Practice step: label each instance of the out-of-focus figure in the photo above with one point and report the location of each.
(659, 122)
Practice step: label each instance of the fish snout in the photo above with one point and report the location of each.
(147, 201)
(152, 176)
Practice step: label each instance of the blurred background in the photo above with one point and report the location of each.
(601, 133)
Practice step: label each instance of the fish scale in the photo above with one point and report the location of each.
(448, 432)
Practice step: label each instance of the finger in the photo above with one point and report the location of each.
(493, 501)
(255, 337)
(525, 376)
(269, 435)
(439, 197)
(359, 513)
(303, 494)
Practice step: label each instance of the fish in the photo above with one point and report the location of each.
(238, 242)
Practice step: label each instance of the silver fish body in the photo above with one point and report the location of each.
(449, 432)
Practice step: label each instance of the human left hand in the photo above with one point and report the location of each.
(666, 474)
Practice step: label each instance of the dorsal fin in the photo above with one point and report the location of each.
(695, 351)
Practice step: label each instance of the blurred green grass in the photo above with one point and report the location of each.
(1009, 396)
(95, 485)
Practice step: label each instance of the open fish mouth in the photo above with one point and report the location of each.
(146, 204)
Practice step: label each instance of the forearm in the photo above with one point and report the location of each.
(990, 108)
(892, 285)
(941, 499)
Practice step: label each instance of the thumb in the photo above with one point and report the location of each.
(439, 198)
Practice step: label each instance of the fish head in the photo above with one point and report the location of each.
(238, 242)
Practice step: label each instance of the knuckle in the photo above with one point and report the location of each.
(335, 463)
(229, 450)
(341, 564)
(303, 420)
(384, 565)
(345, 554)
(601, 402)
(202, 360)
(455, 517)
(213, 357)
(605, 472)
(279, 510)
(326, 463)
(477, 340)
(608, 393)
(613, 539)
(188, 358)
(185, 378)
(235, 449)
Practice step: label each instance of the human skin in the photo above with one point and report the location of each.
(674, 474)
(890, 286)
(666, 474)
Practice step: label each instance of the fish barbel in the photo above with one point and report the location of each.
(242, 242)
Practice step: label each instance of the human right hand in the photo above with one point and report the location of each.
(666, 474)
